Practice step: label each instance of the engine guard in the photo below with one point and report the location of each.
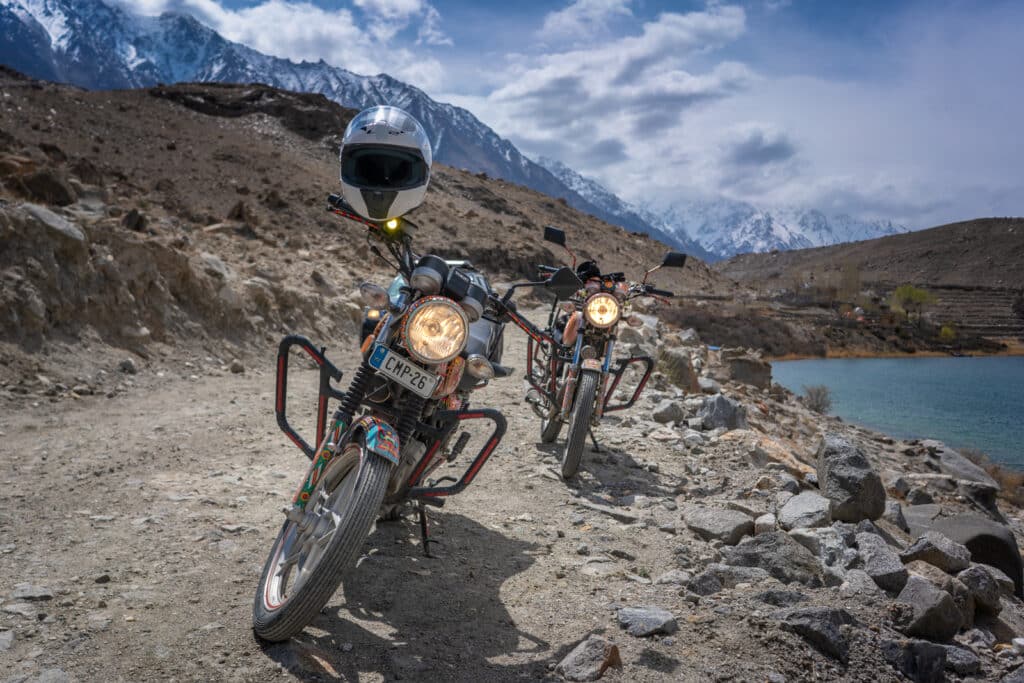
(328, 373)
(451, 419)
(617, 373)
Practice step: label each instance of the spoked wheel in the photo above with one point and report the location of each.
(311, 555)
(579, 423)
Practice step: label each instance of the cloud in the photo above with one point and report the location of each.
(753, 145)
(584, 19)
(362, 41)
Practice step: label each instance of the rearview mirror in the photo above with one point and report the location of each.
(674, 259)
(563, 283)
(554, 235)
(373, 295)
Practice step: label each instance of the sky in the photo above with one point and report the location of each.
(909, 111)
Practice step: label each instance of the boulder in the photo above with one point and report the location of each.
(881, 562)
(57, 226)
(931, 612)
(858, 582)
(961, 661)
(894, 515)
(828, 544)
(692, 438)
(990, 543)
(674, 577)
(807, 509)
(780, 556)
(646, 621)
(765, 523)
(958, 591)
(721, 412)
(847, 479)
(918, 660)
(952, 463)
(675, 364)
(668, 411)
(48, 186)
(983, 586)
(746, 367)
(821, 627)
(934, 548)
(728, 526)
(718, 576)
(709, 386)
(589, 660)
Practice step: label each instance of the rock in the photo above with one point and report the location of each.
(646, 621)
(821, 627)
(583, 549)
(881, 562)
(989, 542)
(894, 515)
(779, 555)
(807, 509)
(846, 478)
(957, 590)
(961, 661)
(787, 482)
(858, 582)
(58, 227)
(728, 526)
(589, 660)
(1004, 581)
(828, 544)
(49, 187)
(983, 587)
(780, 598)
(134, 221)
(668, 411)
(128, 367)
(237, 367)
(918, 660)
(952, 463)
(918, 496)
(934, 548)
(719, 411)
(718, 576)
(933, 614)
(695, 423)
(692, 438)
(764, 523)
(6, 640)
(675, 364)
(709, 386)
(1015, 676)
(599, 568)
(746, 367)
(51, 676)
(674, 577)
(26, 591)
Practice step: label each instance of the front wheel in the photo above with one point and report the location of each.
(311, 556)
(579, 423)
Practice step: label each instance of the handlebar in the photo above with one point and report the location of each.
(546, 269)
(658, 292)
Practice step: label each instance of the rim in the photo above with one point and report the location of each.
(303, 544)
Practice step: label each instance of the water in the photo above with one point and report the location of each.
(965, 402)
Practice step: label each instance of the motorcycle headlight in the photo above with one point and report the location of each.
(435, 330)
(602, 310)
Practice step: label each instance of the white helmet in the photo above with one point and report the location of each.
(385, 163)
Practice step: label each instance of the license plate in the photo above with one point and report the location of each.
(402, 370)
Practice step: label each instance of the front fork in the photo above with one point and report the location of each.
(572, 376)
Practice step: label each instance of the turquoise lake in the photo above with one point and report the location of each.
(965, 402)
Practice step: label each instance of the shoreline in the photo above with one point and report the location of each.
(1014, 348)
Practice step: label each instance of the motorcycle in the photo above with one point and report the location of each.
(570, 364)
(435, 337)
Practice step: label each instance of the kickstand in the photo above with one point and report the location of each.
(593, 439)
(425, 532)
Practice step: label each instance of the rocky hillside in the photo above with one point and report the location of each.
(196, 213)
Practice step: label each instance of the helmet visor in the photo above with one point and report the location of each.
(373, 167)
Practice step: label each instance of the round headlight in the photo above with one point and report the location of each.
(435, 330)
(602, 310)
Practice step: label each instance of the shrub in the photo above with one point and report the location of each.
(818, 398)
(947, 334)
(1011, 481)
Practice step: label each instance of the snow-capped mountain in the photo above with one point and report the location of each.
(717, 229)
(94, 44)
(627, 215)
(726, 227)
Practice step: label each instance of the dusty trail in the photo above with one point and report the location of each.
(149, 516)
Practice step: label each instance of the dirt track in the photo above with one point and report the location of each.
(149, 516)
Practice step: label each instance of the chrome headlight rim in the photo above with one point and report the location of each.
(591, 300)
(417, 308)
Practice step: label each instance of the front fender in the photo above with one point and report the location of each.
(381, 438)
